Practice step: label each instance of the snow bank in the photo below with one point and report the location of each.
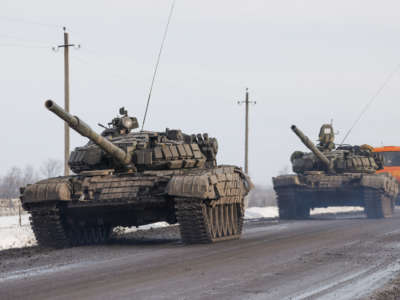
(272, 211)
(14, 236)
(335, 210)
(124, 230)
(12, 221)
(261, 212)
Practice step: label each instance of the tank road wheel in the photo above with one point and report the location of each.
(377, 205)
(50, 229)
(93, 235)
(292, 205)
(286, 204)
(202, 223)
(75, 238)
(302, 211)
(96, 235)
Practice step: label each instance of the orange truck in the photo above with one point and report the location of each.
(391, 161)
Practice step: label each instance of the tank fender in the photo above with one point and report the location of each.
(197, 186)
(286, 180)
(57, 189)
(385, 182)
(224, 181)
(248, 184)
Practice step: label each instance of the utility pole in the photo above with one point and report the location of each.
(66, 46)
(246, 133)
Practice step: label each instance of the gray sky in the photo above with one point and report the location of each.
(305, 63)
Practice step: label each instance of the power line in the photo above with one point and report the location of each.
(23, 46)
(99, 67)
(158, 61)
(377, 93)
(17, 38)
(29, 22)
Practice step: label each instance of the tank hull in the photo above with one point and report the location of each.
(297, 194)
(82, 209)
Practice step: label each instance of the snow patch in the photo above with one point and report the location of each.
(12, 221)
(16, 237)
(272, 211)
(261, 212)
(123, 230)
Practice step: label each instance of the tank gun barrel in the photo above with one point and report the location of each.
(306, 141)
(82, 128)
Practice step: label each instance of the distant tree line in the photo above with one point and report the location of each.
(17, 177)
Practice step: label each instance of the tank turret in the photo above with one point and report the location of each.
(82, 128)
(324, 157)
(120, 149)
(306, 141)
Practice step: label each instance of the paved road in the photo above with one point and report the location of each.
(329, 258)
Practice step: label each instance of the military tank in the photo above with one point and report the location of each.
(125, 178)
(334, 176)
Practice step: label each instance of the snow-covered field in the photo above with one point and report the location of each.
(14, 236)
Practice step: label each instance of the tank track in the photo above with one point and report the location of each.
(292, 204)
(377, 205)
(202, 223)
(51, 230)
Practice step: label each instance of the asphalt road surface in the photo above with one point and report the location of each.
(346, 257)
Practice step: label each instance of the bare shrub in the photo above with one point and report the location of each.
(14, 179)
(51, 168)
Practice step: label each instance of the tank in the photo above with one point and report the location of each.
(334, 176)
(127, 178)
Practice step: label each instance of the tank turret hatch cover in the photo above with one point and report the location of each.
(120, 125)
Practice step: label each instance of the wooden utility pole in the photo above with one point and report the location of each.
(246, 133)
(66, 46)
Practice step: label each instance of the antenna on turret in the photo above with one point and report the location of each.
(158, 62)
(377, 93)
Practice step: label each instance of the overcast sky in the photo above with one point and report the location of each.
(304, 62)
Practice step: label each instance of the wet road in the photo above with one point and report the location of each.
(346, 257)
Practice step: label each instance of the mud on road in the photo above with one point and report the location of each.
(346, 257)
